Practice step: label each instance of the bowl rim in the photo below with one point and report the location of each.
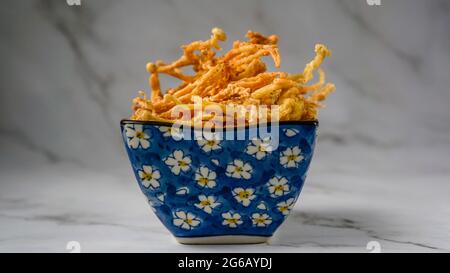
(163, 123)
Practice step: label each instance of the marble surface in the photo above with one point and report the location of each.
(49, 206)
(381, 170)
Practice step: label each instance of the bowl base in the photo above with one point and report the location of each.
(223, 240)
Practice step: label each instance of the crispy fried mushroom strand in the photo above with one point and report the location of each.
(238, 77)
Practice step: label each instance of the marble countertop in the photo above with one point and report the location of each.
(52, 205)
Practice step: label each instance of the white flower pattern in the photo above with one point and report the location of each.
(177, 162)
(136, 137)
(207, 203)
(244, 196)
(172, 131)
(205, 177)
(238, 169)
(278, 186)
(231, 219)
(185, 220)
(149, 177)
(259, 148)
(285, 206)
(259, 200)
(291, 157)
(210, 142)
(261, 219)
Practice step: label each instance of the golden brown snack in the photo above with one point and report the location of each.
(238, 77)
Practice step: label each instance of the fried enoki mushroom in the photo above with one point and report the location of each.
(239, 77)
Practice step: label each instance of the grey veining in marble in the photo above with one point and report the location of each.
(381, 170)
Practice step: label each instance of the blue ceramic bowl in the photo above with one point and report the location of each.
(219, 191)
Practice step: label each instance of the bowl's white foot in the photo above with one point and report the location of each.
(222, 240)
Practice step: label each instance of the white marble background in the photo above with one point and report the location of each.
(381, 170)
